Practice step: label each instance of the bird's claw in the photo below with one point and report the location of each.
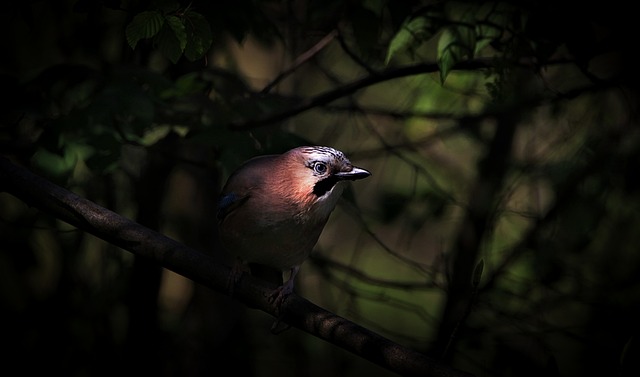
(277, 298)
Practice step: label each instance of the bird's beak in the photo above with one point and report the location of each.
(352, 175)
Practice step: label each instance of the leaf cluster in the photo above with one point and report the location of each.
(175, 31)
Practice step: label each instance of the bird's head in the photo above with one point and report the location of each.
(302, 182)
(317, 171)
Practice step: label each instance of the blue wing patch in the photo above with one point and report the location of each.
(228, 203)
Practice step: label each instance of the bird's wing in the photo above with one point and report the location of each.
(242, 183)
(228, 203)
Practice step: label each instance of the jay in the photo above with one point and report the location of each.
(273, 208)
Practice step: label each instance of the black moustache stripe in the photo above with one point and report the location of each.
(323, 186)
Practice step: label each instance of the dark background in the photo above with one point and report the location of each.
(498, 233)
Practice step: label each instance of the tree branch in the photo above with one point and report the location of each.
(199, 267)
(352, 87)
(300, 60)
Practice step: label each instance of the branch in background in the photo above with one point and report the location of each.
(300, 60)
(353, 55)
(193, 117)
(322, 262)
(390, 74)
(475, 227)
(350, 88)
(199, 267)
(598, 154)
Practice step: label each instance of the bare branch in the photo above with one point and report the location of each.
(350, 88)
(300, 60)
(199, 267)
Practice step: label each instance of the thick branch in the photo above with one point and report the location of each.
(199, 267)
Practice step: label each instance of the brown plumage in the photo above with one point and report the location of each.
(273, 208)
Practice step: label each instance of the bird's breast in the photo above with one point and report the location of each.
(278, 233)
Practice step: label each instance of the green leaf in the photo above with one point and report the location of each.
(179, 30)
(54, 164)
(455, 44)
(486, 34)
(61, 165)
(168, 44)
(411, 34)
(143, 26)
(477, 273)
(448, 54)
(199, 36)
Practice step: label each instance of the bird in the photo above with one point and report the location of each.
(273, 209)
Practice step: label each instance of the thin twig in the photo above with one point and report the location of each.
(300, 60)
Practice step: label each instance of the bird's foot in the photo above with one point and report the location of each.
(277, 298)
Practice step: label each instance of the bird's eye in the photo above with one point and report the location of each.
(320, 167)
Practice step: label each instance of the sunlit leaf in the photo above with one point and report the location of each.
(448, 53)
(492, 22)
(410, 34)
(455, 44)
(486, 34)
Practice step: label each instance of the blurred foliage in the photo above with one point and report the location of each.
(498, 231)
